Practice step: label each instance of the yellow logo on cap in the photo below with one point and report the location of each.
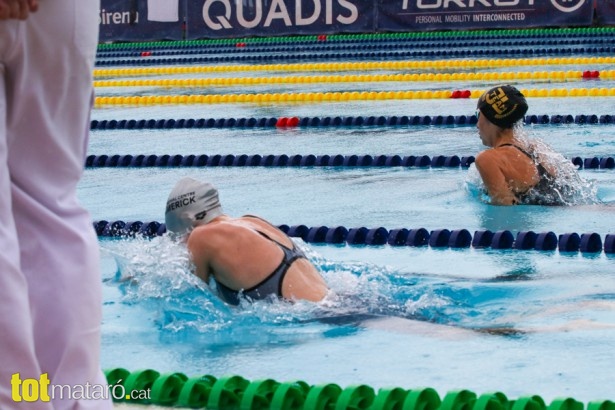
(497, 99)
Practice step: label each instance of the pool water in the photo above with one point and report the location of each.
(520, 322)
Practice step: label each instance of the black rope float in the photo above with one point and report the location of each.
(589, 243)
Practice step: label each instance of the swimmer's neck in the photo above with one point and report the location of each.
(221, 218)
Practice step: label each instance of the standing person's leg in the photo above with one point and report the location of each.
(17, 350)
(50, 94)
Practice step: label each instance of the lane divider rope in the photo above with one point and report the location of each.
(583, 32)
(310, 160)
(335, 96)
(586, 243)
(358, 66)
(177, 390)
(500, 52)
(339, 121)
(328, 46)
(446, 77)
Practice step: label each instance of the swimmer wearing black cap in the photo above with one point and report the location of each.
(511, 170)
(247, 256)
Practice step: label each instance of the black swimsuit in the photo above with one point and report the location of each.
(272, 284)
(543, 189)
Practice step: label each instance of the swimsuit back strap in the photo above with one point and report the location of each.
(539, 167)
(264, 235)
(272, 284)
(542, 171)
(530, 156)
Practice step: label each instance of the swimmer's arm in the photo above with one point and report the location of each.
(199, 255)
(201, 270)
(494, 180)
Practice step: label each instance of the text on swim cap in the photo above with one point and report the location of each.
(180, 201)
(497, 99)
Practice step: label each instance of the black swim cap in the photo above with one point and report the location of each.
(503, 105)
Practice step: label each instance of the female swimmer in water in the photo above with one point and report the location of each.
(512, 170)
(247, 256)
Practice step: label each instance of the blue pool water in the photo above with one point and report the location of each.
(397, 316)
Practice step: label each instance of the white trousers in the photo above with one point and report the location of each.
(50, 285)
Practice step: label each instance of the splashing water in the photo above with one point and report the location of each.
(156, 274)
(568, 187)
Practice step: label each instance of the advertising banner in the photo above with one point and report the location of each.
(247, 18)
(141, 20)
(606, 12)
(421, 15)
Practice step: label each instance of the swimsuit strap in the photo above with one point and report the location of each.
(530, 156)
(542, 171)
(277, 275)
(272, 284)
(544, 175)
(281, 269)
(263, 234)
(281, 245)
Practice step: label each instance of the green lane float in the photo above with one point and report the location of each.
(177, 390)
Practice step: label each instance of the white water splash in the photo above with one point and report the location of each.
(157, 273)
(568, 187)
